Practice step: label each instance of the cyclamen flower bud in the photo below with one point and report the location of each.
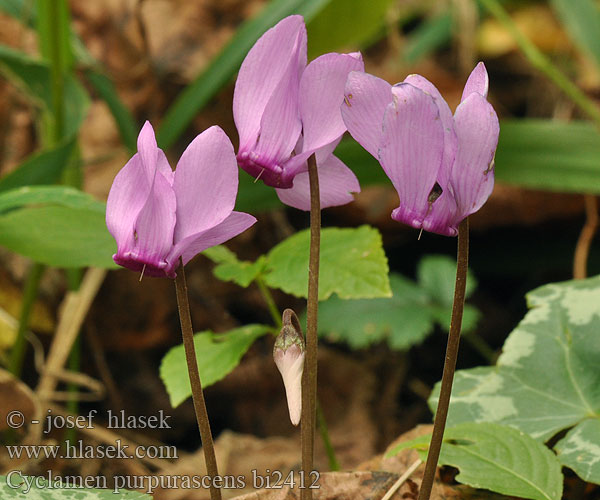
(288, 353)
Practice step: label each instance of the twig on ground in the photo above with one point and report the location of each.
(75, 308)
(582, 250)
(402, 479)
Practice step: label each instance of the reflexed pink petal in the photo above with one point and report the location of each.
(298, 163)
(164, 168)
(280, 123)
(441, 218)
(148, 150)
(478, 81)
(412, 150)
(234, 224)
(127, 196)
(206, 183)
(261, 72)
(295, 165)
(321, 95)
(326, 151)
(336, 185)
(450, 141)
(477, 128)
(155, 224)
(366, 99)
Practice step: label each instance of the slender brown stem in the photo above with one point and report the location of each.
(197, 395)
(441, 414)
(586, 236)
(290, 319)
(309, 377)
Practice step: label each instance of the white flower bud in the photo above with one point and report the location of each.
(288, 354)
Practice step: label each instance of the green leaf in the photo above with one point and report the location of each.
(538, 154)
(21, 486)
(64, 196)
(55, 31)
(582, 20)
(59, 236)
(22, 10)
(580, 450)
(230, 268)
(353, 264)
(428, 36)
(76, 101)
(547, 378)
(443, 314)
(26, 12)
(128, 128)
(44, 167)
(404, 319)
(550, 155)
(437, 275)
(34, 78)
(226, 64)
(255, 196)
(367, 169)
(217, 354)
(497, 458)
(345, 23)
(30, 74)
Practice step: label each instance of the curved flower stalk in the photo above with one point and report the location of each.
(286, 110)
(441, 165)
(157, 215)
(161, 219)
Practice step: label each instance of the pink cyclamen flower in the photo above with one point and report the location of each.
(441, 165)
(285, 111)
(157, 215)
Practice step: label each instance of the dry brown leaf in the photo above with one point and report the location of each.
(536, 22)
(15, 396)
(346, 390)
(370, 485)
(11, 297)
(237, 455)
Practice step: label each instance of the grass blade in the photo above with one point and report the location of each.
(581, 18)
(195, 96)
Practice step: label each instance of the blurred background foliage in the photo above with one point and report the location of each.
(80, 78)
